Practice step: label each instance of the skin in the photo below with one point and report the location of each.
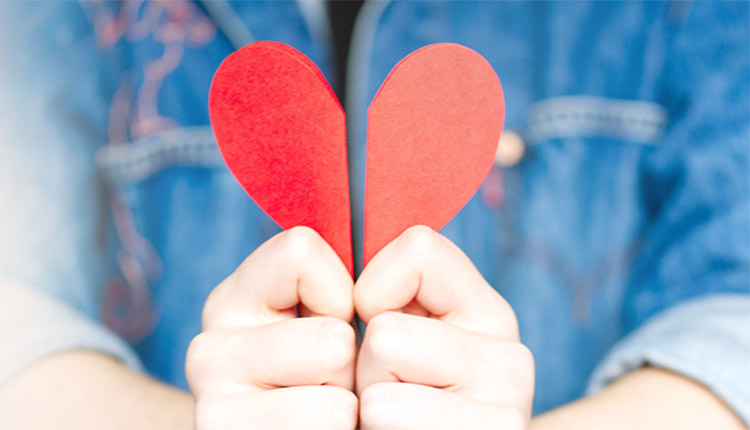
(256, 362)
(85, 390)
(467, 370)
(441, 351)
(649, 398)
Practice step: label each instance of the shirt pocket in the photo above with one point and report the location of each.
(178, 190)
(182, 225)
(574, 204)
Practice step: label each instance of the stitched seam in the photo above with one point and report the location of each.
(572, 116)
(140, 159)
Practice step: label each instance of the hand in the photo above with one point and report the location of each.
(441, 349)
(256, 364)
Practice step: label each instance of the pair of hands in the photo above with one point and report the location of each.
(441, 349)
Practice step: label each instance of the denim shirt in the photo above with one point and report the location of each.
(621, 237)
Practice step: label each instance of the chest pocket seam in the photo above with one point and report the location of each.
(138, 160)
(589, 116)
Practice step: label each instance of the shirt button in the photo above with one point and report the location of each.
(510, 150)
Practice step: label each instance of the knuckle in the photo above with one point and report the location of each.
(419, 239)
(367, 300)
(521, 361)
(513, 419)
(201, 359)
(212, 309)
(376, 404)
(298, 243)
(337, 340)
(383, 338)
(515, 369)
(209, 414)
(509, 321)
(198, 354)
(343, 408)
(524, 357)
(321, 407)
(515, 355)
(362, 297)
(524, 366)
(502, 321)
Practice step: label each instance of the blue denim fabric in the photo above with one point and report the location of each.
(631, 200)
(606, 221)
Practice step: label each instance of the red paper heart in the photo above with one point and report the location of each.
(432, 134)
(282, 132)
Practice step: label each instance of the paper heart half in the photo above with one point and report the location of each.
(433, 130)
(282, 133)
(432, 134)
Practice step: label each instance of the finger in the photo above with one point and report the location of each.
(390, 405)
(295, 266)
(301, 351)
(475, 365)
(424, 266)
(308, 407)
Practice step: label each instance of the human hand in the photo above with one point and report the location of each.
(442, 348)
(256, 364)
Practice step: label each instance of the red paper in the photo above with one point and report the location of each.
(433, 130)
(282, 132)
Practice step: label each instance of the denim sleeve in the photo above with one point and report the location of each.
(706, 339)
(686, 304)
(52, 117)
(42, 325)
